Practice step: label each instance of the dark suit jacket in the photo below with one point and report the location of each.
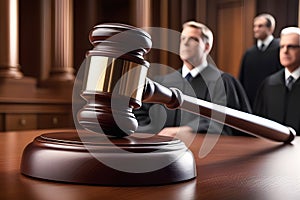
(275, 102)
(211, 85)
(257, 65)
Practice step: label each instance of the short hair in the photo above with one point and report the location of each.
(290, 30)
(206, 33)
(271, 23)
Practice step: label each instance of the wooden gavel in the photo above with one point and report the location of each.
(115, 83)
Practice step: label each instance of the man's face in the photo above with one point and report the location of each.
(192, 48)
(260, 29)
(290, 51)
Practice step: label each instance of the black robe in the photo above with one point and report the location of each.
(275, 102)
(257, 65)
(211, 85)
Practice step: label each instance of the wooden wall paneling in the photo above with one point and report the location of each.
(45, 40)
(30, 37)
(114, 11)
(188, 10)
(249, 11)
(285, 12)
(57, 120)
(29, 34)
(157, 20)
(85, 18)
(175, 23)
(15, 122)
(26, 114)
(212, 23)
(231, 23)
(160, 21)
(201, 11)
(229, 37)
(157, 12)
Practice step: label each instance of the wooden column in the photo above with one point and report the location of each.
(61, 59)
(62, 41)
(58, 48)
(142, 10)
(9, 39)
(13, 84)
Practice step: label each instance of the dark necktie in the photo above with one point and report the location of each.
(290, 82)
(188, 77)
(262, 47)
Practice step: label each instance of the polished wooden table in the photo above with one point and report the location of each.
(236, 168)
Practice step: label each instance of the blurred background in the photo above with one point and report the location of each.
(43, 43)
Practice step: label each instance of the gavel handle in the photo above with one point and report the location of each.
(173, 98)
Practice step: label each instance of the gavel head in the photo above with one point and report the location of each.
(114, 80)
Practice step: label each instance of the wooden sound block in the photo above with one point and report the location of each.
(89, 158)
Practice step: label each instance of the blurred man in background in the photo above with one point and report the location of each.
(262, 59)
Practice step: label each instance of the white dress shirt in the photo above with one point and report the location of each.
(295, 74)
(266, 42)
(195, 71)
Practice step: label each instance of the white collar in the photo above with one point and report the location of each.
(295, 74)
(195, 71)
(266, 42)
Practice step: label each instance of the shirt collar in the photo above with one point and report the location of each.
(266, 42)
(295, 74)
(195, 71)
